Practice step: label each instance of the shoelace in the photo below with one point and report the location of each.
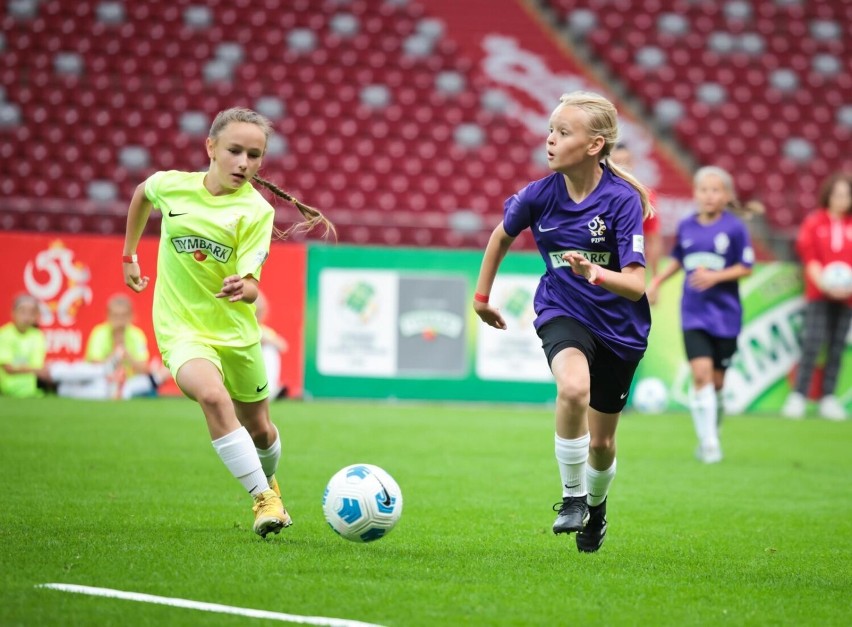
(563, 506)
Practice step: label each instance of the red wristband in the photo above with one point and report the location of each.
(130, 259)
(599, 277)
(480, 298)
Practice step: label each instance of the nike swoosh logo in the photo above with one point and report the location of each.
(623, 396)
(387, 499)
(543, 230)
(174, 215)
(571, 487)
(261, 389)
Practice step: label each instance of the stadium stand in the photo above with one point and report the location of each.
(762, 88)
(382, 119)
(365, 95)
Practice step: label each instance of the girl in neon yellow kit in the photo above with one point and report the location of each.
(215, 237)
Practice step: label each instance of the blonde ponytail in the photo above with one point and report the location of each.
(648, 209)
(603, 122)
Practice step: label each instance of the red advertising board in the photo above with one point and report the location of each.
(73, 277)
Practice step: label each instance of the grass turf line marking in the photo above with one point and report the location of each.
(205, 607)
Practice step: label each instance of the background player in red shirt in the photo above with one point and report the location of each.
(825, 236)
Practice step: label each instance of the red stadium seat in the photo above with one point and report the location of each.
(351, 156)
(756, 119)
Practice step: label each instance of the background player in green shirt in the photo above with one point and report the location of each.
(119, 341)
(22, 350)
(215, 237)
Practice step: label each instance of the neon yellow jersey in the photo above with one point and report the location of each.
(101, 343)
(203, 239)
(26, 349)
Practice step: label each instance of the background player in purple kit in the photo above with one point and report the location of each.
(714, 248)
(592, 314)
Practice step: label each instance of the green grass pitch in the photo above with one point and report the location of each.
(131, 496)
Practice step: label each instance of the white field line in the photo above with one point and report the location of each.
(205, 607)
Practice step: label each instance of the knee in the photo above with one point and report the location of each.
(601, 445)
(213, 397)
(572, 393)
(262, 432)
(699, 382)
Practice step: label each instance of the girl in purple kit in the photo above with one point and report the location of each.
(714, 248)
(592, 314)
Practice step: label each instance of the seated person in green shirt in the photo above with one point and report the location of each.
(23, 373)
(22, 351)
(123, 346)
(119, 339)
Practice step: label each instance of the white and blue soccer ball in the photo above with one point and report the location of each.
(362, 503)
(836, 275)
(650, 396)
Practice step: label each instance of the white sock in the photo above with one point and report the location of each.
(571, 456)
(237, 452)
(703, 407)
(598, 483)
(269, 457)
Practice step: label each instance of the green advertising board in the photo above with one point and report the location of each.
(762, 370)
(398, 324)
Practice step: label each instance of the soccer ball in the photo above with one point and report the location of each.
(362, 503)
(836, 275)
(650, 396)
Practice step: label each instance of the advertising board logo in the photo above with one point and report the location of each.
(360, 299)
(60, 284)
(429, 324)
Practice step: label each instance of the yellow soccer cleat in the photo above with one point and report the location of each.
(269, 514)
(273, 485)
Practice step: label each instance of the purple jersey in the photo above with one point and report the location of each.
(606, 228)
(716, 246)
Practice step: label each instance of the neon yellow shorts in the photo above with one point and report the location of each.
(241, 367)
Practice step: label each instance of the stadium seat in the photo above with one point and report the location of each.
(773, 72)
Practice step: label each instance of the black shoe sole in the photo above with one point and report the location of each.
(572, 529)
(589, 548)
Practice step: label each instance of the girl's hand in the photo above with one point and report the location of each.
(703, 279)
(489, 315)
(653, 292)
(132, 278)
(582, 266)
(232, 288)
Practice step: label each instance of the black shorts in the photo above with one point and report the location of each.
(701, 344)
(611, 375)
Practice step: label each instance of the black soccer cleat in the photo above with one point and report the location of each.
(573, 514)
(591, 538)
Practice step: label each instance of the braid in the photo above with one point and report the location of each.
(312, 216)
